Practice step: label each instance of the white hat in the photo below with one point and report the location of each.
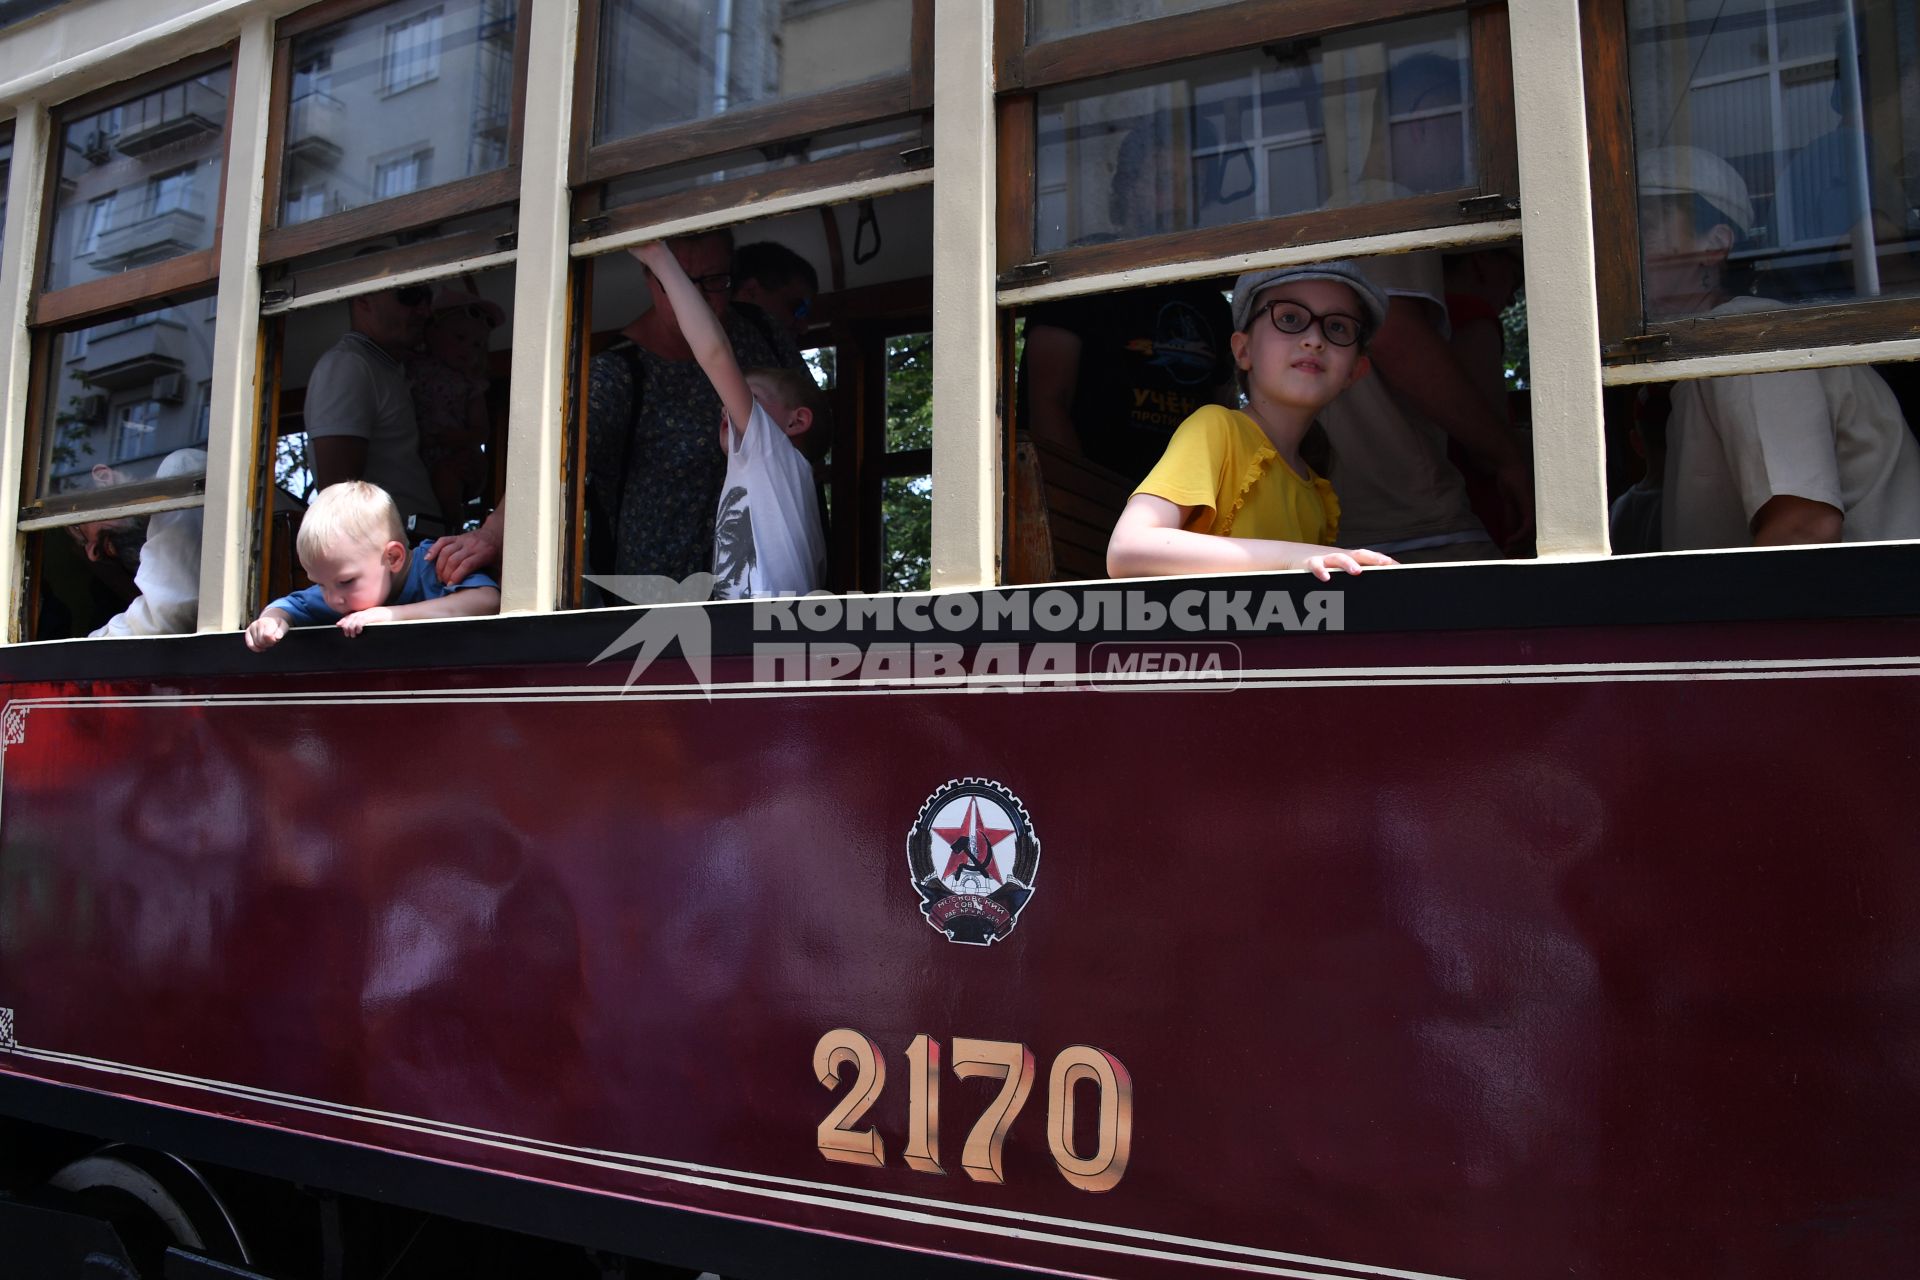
(1690, 171)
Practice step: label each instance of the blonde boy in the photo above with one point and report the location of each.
(354, 547)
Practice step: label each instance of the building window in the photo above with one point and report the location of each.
(169, 192)
(134, 428)
(304, 204)
(412, 54)
(400, 175)
(314, 75)
(99, 218)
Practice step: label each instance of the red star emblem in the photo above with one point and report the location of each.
(978, 852)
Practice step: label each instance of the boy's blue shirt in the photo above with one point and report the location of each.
(308, 608)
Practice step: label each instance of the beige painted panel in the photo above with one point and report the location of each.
(1563, 313)
(535, 520)
(98, 42)
(966, 431)
(235, 394)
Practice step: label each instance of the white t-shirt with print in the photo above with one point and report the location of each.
(767, 539)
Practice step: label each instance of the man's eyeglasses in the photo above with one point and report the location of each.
(1340, 329)
(413, 295)
(718, 282)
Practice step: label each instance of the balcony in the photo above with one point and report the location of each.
(164, 235)
(174, 114)
(316, 127)
(134, 356)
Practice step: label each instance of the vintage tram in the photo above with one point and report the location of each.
(1487, 920)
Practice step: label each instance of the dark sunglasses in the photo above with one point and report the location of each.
(413, 295)
(718, 282)
(1340, 329)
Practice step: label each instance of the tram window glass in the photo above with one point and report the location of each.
(138, 180)
(1047, 19)
(121, 396)
(1766, 459)
(1775, 146)
(448, 342)
(878, 139)
(872, 262)
(395, 101)
(407, 107)
(1360, 117)
(1428, 453)
(669, 64)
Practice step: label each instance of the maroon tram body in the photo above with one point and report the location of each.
(1567, 945)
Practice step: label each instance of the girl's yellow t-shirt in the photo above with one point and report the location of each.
(1221, 464)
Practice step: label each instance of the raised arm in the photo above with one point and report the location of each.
(1148, 540)
(701, 328)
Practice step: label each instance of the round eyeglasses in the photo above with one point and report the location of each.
(1337, 327)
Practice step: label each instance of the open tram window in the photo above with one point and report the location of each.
(906, 466)
(390, 117)
(821, 292)
(1427, 453)
(1792, 457)
(415, 387)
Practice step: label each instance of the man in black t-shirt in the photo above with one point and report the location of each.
(1111, 376)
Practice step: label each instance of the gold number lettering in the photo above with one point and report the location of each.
(1103, 1170)
(837, 1050)
(1004, 1061)
(923, 1104)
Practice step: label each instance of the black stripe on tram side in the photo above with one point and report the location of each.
(676, 1237)
(1791, 584)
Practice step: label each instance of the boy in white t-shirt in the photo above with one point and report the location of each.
(767, 534)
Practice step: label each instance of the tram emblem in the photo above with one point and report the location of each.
(972, 855)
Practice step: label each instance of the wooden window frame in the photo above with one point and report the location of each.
(1025, 69)
(157, 282)
(1627, 336)
(459, 198)
(590, 165)
(865, 165)
(1155, 42)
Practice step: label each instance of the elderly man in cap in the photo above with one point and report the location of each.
(1810, 455)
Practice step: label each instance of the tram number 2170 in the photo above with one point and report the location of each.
(1011, 1064)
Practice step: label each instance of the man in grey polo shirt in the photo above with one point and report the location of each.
(359, 411)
